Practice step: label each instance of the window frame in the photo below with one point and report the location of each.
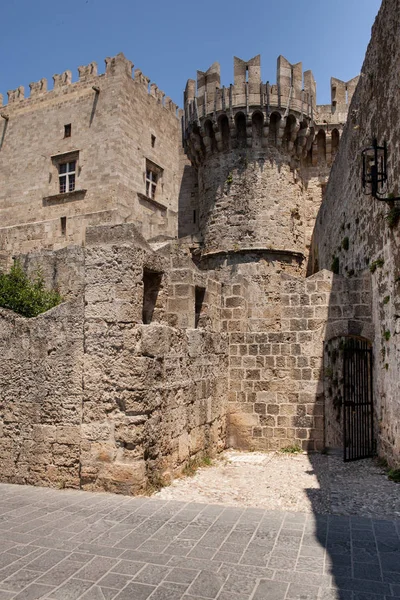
(68, 174)
(153, 180)
(67, 178)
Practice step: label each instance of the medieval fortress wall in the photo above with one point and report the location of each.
(189, 322)
(90, 396)
(117, 123)
(369, 225)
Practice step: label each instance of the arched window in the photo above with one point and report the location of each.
(223, 125)
(257, 122)
(240, 122)
(274, 127)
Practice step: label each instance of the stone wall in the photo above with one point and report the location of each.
(353, 233)
(276, 374)
(91, 396)
(41, 396)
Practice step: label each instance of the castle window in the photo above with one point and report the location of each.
(200, 293)
(63, 226)
(153, 141)
(151, 288)
(153, 179)
(151, 183)
(67, 130)
(66, 176)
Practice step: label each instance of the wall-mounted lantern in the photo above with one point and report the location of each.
(374, 171)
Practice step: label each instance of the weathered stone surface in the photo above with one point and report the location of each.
(353, 227)
(90, 396)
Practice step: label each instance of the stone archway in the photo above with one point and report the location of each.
(334, 387)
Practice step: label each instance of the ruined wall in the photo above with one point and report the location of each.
(356, 233)
(41, 396)
(117, 122)
(154, 394)
(91, 396)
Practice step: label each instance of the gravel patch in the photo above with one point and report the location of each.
(314, 483)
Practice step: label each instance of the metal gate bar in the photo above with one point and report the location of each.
(357, 400)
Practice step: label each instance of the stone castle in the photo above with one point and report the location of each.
(199, 307)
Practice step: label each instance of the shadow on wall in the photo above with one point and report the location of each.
(341, 547)
(188, 203)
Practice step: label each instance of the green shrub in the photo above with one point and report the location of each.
(293, 449)
(393, 216)
(375, 264)
(24, 296)
(394, 475)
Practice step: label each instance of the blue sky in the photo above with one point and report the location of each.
(169, 41)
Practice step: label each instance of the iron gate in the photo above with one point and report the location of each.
(358, 434)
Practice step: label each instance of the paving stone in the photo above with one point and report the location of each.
(207, 584)
(127, 567)
(302, 592)
(62, 571)
(367, 571)
(166, 593)
(146, 557)
(270, 590)
(20, 579)
(136, 591)
(359, 585)
(33, 592)
(114, 580)
(100, 550)
(194, 563)
(229, 596)
(152, 545)
(98, 593)
(239, 584)
(47, 560)
(96, 568)
(180, 547)
(152, 574)
(389, 577)
(202, 552)
(71, 590)
(181, 575)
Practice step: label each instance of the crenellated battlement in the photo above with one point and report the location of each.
(88, 76)
(250, 113)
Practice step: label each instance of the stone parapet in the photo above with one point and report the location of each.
(253, 114)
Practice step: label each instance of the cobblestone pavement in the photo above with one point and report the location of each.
(308, 483)
(65, 545)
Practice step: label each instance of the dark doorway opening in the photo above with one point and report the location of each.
(151, 287)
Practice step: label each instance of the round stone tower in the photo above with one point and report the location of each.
(262, 153)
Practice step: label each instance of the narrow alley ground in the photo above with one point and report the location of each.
(251, 527)
(293, 482)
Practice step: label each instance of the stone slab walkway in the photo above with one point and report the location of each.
(65, 545)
